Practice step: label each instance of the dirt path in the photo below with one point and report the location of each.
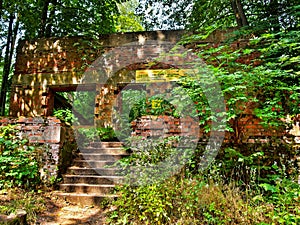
(46, 208)
(59, 212)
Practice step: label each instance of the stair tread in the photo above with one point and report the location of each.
(91, 176)
(106, 154)
(91, 168)
(89, 160)
(88, 180)
(88, 185)
(85, 194)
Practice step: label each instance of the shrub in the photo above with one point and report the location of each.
(186, 201)
(86, 135)
(233, 190)
(18, 160)
(65, 115)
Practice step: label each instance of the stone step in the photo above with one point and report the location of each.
(106, 144)
(92, 171)
(101, 156)
(84, 198)
(87, 188)
(91, 179)
(92, 163)
(103, 150)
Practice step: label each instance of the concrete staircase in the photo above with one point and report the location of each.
(88, 181)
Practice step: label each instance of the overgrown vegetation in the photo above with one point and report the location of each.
(13, 199)
(87, 135)
(19, 162)
(195, 201)
(237, 188)
(138, 104)
(247, 183)
(20, 180)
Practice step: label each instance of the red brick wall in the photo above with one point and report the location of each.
(49, 135)
(44, 66)
(251, 129)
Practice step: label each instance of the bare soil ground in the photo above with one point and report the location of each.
(60, 212)
(48, 209)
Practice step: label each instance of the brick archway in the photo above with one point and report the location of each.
(60, 62)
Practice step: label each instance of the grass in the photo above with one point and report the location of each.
(13, 199)
(195, 200)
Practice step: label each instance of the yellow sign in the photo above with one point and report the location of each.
(145, 76)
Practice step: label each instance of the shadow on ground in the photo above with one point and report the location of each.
(61, 212)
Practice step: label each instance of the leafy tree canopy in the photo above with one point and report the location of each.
(198, 14)
(164, 15)
(128, 21)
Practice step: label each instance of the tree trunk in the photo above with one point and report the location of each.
(236, 13)
(7, 64)
(14, 38)
(242, 13)
(50, 19)
(1, 8)
(44, 18)
(274, 12)
(239, 13)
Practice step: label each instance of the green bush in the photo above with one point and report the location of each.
(86, 135)
(65, 115)
(18, 160)
(186, 201)
(151, 160)
(233, 190)
(180, 200)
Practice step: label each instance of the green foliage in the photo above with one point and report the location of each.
(284, 195)
(106, 134)
(15, 198)
(204, 93)
(127, 21)
(260, 15)
(191, 201)
(219, 15)
(75, 107)
(151, 151)
(230, 191)
(96, 134)
(151, 160)
(152, 106)
(63, 18)
(18, 160)
(154, 206)
(164, 15)
(137, 104)
(65, 115)
(262, 78)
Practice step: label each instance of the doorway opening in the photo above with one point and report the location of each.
(74, 105)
